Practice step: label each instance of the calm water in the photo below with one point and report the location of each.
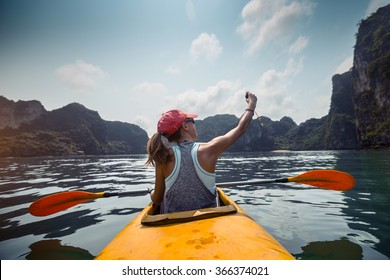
(311, 223)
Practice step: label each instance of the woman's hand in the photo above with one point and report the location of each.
(251, 99)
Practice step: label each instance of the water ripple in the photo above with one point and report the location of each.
(302, 218)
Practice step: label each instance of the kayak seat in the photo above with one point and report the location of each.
(151, 219)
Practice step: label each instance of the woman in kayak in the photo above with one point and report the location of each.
(185, 170)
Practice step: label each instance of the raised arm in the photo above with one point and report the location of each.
(210, 152)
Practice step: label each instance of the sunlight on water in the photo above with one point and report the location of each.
(311, 223)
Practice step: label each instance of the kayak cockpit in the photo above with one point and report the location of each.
(227, 207)
(221, 233)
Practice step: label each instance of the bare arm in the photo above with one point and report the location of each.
(210, 152)
(157, 195)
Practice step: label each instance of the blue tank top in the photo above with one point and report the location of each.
(189, 186)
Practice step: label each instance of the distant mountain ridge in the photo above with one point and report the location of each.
(264, 134)
(28, 129)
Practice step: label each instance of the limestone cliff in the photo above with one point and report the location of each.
(371, 80)
(341, 127)
(14, 114)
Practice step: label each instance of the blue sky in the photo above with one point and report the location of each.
(132, 60)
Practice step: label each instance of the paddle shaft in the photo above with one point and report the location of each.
(221, 185)
(129, 193)
(255, 182)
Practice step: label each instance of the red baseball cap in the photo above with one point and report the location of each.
(172, 120)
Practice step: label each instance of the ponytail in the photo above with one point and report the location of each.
(158, 153)
(158, 149)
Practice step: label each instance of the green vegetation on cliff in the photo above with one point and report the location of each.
(371, 80)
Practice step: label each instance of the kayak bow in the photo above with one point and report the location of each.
(222, 233)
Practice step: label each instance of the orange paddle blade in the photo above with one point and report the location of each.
(60, 201)
(326, 179)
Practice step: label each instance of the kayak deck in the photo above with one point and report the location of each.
(221, 233)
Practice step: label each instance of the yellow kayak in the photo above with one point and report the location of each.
(222, 233)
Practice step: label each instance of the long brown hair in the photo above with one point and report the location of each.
(158, 153)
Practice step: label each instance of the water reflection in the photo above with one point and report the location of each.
(59, 226)
(53, 250)
(342, 249)
(302, 218)
(23, 181)
(368, 203)
(295, 213)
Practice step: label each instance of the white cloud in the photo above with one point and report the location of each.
(150, 88)
(190, 10)
(227, 97)
(222, 98)
(375, 5)
(345, 66)
(268, 20)
(205, 46)
(272, 90)
(150, 126)
(299, 45)
(80, 75)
